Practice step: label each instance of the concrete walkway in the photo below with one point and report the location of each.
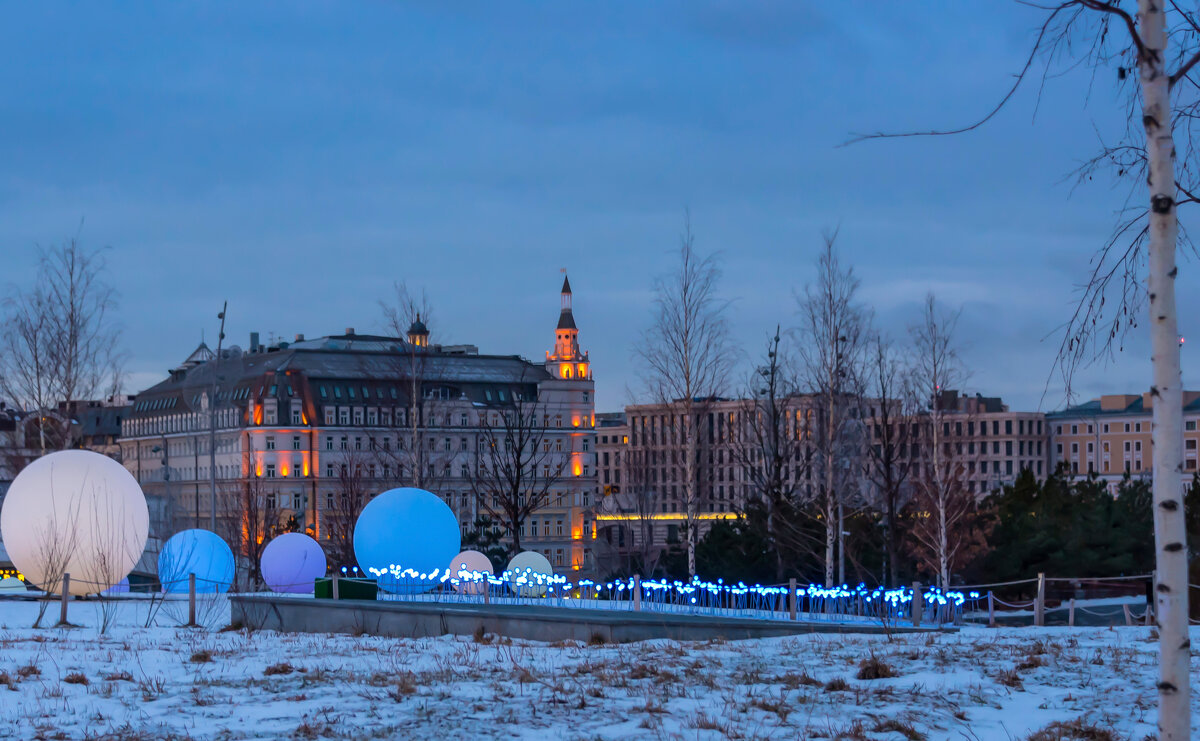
(533, 622)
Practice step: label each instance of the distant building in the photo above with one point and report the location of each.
(1110, 437)
(293, 418)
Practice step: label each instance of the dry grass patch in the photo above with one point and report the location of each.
(904, 728)
(873, 667)
(837, 684)
(76, 678)
(280, 668)
(1075, 730)
(201, 657)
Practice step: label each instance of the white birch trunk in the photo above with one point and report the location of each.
(1170, 532)
(689, 472)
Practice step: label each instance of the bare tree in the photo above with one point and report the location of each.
(833, 329)
(60, 343)
(259, 520)
(686, 358)
(410, 316)
(518, 465)
(1161, 41)
(772, 448)
(353, 491)
(942, 500)
(888, 461)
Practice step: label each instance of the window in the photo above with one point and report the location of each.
(329, 415)
(343, 415)
(344, 446)
(358, 443)
(270, 470)
(358, 416)
(329, 470)
(329, 443)
(372, 417)
(1074, 429)
(296, 417)
(295, 442)
(270, 442)
(1189, 425)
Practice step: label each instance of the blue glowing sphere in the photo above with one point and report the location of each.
(199, 552)
(291, 562)
(406, 539)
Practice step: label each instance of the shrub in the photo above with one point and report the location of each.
(873, 667)
(76, 678)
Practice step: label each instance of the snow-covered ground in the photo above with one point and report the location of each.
(171, 682)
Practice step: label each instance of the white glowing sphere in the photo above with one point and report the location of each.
(291, 563)
(522, 571)
(75, 512)
(464, 566)
(12, 585)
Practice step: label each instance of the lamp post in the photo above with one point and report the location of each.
(166, 469)
(212, 427)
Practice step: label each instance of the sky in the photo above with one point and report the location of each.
(299, 158)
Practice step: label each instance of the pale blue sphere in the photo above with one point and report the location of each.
(406, 539)
(199, 552)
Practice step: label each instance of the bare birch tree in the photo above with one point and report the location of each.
(942, 501)
(833, 332)
(686, 358)
(410, 311)
(1161, 41)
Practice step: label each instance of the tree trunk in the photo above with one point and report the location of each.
(689, 471)
(1170, 530)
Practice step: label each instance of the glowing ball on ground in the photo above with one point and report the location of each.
(522, 570)
(291, 562)
(199, 552)
(464, 566)
(12, 585)
(74, 512)
(406, 539)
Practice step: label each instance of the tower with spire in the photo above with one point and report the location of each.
(567, 361)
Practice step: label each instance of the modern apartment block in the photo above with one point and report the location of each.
(298, 419)
(1110, 437)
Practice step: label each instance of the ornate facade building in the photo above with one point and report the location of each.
(304, 433)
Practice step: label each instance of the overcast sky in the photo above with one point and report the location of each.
(298, 158)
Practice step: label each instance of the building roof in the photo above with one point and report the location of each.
(566, 284)
(366, 360)
(1122, 405)
(418, 327)
(566, 320)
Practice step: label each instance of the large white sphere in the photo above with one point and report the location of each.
(291, 563)
(522, 570)
(75, 512)
(463, 568)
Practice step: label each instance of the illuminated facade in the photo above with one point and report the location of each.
(1110, 437)
(297, 419)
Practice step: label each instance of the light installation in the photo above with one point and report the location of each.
(468, 569)
(199, 552)
(291, 562)
(406, 526)
(74, 512)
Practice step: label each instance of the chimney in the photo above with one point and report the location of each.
(349, 331)
(254, 342)
(299, 337)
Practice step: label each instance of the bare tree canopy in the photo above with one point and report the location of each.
(60, 342)
(834, 327)
(686, 356)
(1161, 41)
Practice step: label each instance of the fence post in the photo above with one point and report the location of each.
(487, 591)
(792, 598)
(1071, 613)
(637, 592)
(66, 595)
(1039, 604)
(918, 604)
(991, 609)
(1151, 596)
(1128, 615)
(191, 601)
(334, 587)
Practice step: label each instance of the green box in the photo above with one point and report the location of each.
(347, 588)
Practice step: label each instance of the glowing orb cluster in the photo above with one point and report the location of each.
(75, 512)
(523, 572)
(199, 552)
(469, 571)
(406, 538)
(291, 562)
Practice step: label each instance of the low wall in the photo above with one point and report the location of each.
(421, 619)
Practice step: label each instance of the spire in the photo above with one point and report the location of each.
(566, 283)
(418, 333)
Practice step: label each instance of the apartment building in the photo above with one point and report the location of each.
(1110, 437)
(297, 419)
